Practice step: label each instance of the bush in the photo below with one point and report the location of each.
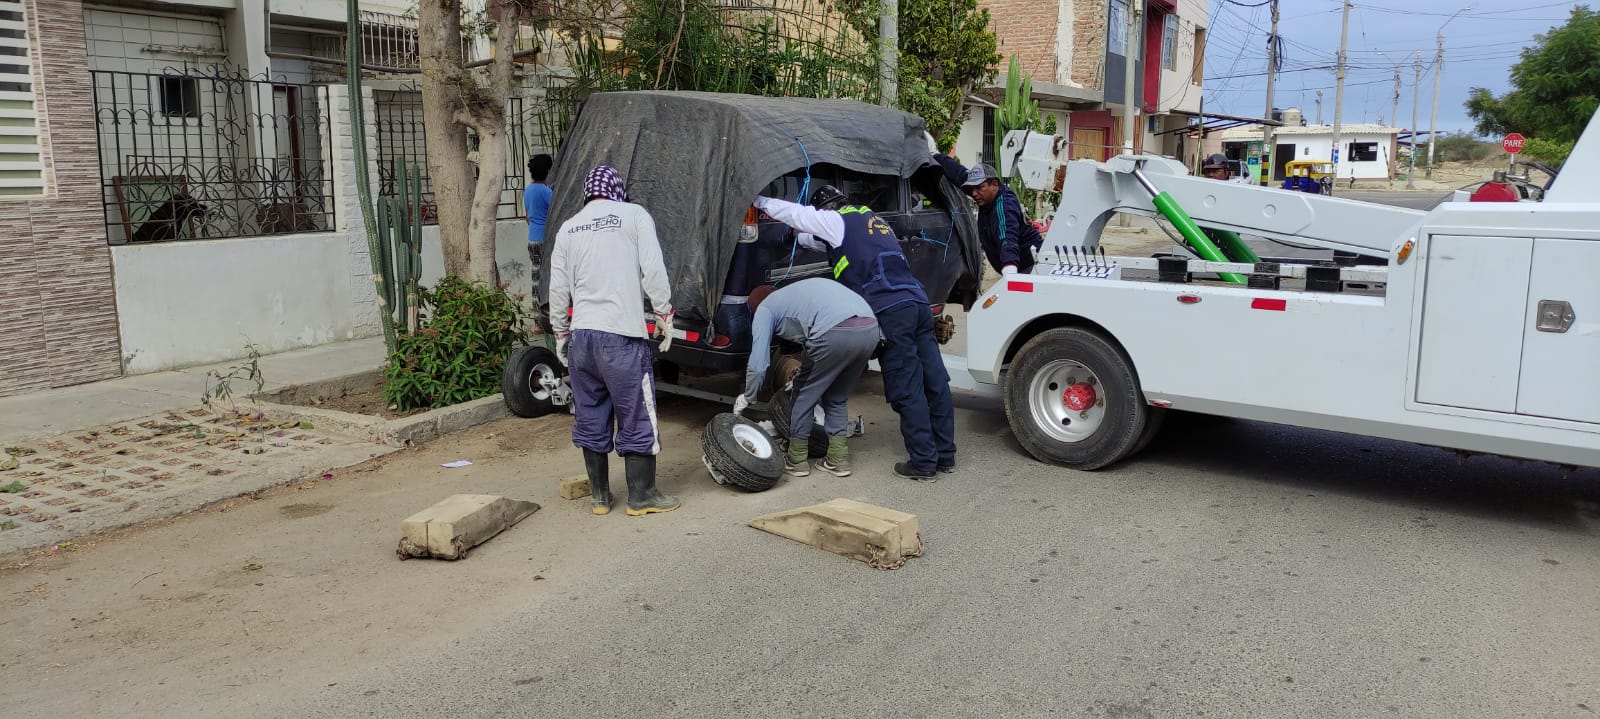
(465, 332)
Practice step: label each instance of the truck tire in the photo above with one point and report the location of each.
(520, 383)
(778, 409)
(1072, 399)
(743, 452)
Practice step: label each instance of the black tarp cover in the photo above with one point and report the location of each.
(695, 160)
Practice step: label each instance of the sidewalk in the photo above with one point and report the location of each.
(100, 456)
(118, 400)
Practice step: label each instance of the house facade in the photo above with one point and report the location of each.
(1367, 152)
(180, 181)
(1076, 52)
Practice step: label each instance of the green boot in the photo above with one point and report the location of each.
(794, 463)
(837, 463)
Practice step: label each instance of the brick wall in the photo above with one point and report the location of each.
(59, 324)
(1027, 29)
(1089, 43)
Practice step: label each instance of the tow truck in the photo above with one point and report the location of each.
(1474, 326)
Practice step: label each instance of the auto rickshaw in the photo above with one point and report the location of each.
(1314, 176)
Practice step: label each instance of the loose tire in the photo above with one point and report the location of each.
(744, 453)
(1072, 399)
(779, 409)
(522, 382)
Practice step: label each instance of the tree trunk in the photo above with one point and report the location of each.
(486, 114)
(443, 84)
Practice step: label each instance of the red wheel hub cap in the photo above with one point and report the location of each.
(1079, 397)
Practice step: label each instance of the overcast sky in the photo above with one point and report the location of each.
(1480, 46)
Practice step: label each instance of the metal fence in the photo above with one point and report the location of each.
(211, 153)
(532, 126)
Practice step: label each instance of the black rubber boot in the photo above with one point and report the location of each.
(598, 466)
(643, 497)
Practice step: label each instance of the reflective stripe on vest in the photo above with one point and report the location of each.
(838, 267)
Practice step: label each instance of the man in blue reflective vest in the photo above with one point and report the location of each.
(865, 256)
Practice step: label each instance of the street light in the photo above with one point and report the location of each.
(1438, 69)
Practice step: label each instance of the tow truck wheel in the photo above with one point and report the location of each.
(528, 383)
(1072, 399)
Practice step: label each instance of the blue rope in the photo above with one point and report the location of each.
(805, 188)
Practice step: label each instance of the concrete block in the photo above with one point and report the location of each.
(449, 529)
(881, 537)
(575, 487)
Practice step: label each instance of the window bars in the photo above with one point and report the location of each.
(211, 153)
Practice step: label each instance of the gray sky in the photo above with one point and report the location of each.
(1480, 47)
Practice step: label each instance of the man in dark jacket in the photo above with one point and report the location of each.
(1009, 240)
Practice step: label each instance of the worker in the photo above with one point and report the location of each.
(837, 328)
(1009, 240)
(1215, 167)
(866, 257)
(605, 262)
(536, 205)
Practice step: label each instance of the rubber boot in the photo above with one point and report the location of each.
(643, 497)
(598, 466)
(837, 462)
(794, 461)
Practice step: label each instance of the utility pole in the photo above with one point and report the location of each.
(1416, 90)
(889, 52)
(1338, 93)
(1319, 107)
(1268, 154)
(1128, 102)
(1394, 114)
(1433, 118)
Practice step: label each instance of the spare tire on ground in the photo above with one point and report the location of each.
(778, 408)
(742, 452)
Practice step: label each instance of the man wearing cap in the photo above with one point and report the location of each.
(1215, 167)
(1009, 240)
(839, 333)
(605, 262)
(866, 257)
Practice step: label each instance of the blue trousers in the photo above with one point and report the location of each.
(917, 385)
(613, 393)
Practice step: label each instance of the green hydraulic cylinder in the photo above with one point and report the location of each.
(1202, 245)
(1235, 248)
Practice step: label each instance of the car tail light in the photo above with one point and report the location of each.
(720, 341)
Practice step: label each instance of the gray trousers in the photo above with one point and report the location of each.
(832, 365)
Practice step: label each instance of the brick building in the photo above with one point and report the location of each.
(1075, 52)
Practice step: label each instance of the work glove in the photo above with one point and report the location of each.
(561, 348)
(664, 329)
(740, 404)
(1008, 270)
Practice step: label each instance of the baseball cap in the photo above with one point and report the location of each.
(980, 174)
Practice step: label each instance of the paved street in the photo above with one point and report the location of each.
(1234, 569)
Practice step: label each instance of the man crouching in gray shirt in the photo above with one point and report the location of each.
(840, 334)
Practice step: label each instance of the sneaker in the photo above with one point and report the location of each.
(837, 469)
(903, 470)
(796, 470)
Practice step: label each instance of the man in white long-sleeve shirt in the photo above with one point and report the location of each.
(866, 257)
(605, 262)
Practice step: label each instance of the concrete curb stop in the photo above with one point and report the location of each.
(452, 527)
(883, 538)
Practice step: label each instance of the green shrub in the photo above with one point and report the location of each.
(464, 335)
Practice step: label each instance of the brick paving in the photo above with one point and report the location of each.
(120, 468)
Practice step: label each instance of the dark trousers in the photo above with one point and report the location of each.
(917, 385)
(613, 391)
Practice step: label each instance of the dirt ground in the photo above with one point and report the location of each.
(369, 401)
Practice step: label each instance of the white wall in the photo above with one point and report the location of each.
(181, 304)
(510, 253)
(1319, 147)
(1178, 90)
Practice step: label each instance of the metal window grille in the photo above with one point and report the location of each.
(214, 153)
(386, 41)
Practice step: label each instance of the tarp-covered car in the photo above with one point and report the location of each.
(697, 160)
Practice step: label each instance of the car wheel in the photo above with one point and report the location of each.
(742, 452)
(1072, 399)
(529, 379)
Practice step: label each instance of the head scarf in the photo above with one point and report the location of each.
(603, 181)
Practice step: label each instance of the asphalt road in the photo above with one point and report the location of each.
(1235, 569)
(1397, 198)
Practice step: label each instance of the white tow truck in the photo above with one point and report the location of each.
(1474, 327)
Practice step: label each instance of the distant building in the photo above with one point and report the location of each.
(1367, 152)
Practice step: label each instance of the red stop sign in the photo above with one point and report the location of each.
(1513, 143)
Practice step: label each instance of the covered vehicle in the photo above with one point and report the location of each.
(697, 160)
